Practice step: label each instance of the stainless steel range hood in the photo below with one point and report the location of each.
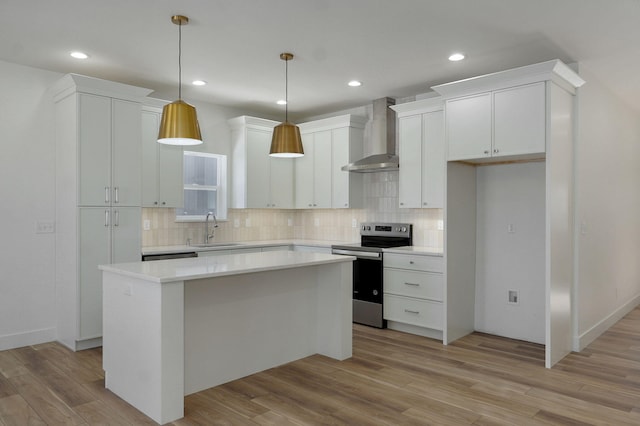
(382, 143)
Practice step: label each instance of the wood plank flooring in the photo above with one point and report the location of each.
(392, 379)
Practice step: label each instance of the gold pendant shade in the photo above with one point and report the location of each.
(286, 141)
(179, 125)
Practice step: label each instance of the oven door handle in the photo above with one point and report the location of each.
(363, 254)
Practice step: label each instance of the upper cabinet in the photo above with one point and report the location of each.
(162, 164)
(330, 144)
(421, 151)
(501, 123)
(258, 180)
(502, 116)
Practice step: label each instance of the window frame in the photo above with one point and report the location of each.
(221, 189)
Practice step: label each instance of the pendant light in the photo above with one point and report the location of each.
(286, 140)
(179, 124)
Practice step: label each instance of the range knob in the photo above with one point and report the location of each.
(403, 229)
(368, 228)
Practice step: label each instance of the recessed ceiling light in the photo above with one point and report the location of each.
(281, 102)
(456, 57)
(199, 82)
(79, 55)
(355, 83)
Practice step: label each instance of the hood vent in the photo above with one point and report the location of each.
(382, 143)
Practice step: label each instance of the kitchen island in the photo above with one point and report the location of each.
(175, 327)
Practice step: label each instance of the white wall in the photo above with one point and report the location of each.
(607, 210)
(27, 186)
(511, 195)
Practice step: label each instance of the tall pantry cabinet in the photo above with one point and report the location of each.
(98, 196)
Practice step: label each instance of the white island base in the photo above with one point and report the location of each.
(175, 327)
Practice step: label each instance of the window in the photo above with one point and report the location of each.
(205, 186)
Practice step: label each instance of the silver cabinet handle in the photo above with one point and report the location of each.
(115, 197)
(106, 218)
(413, 284)
(106, 195)
(409, 311)
(117, 218)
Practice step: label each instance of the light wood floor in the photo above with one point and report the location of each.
(393, 378)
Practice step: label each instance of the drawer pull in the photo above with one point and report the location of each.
(413, 284)
(409, 311)
(411, 262)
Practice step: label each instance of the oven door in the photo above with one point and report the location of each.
(367, 287)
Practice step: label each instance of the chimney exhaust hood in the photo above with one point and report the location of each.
(382, 143)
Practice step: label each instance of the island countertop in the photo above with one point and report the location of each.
(217, 266)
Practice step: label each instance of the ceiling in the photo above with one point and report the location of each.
(397, 48)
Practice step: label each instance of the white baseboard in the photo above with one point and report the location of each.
(582, 341)
(34, 337)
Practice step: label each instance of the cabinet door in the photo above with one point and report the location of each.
(94, 229)
(170, 177)
(258, 165)
(94, 150)
(410, 153)
(281, 189)
(126, 178)
(433, 160)
(304, 174)
(340, 184)
(322, 170)
(150, 125)
(126, 239)
(469, 127)
(519, 120)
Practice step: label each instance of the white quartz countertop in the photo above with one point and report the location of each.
(238, 245)
(216, 266)
(424, 251)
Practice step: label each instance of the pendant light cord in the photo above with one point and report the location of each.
(180, 60)
(286, 90)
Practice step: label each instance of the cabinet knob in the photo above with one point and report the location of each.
(346, 204)
(309, 204)
(402, 204)
(164, 203)
(315, 205)
(495, 151)
(155, 203)
(411, 262)
(486, 152)
(424, 203)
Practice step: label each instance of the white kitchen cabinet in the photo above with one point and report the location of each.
(98, 157)
(414, 293)
(162, 165)
(107, 235)
(333, 142)
(258, 180)
(421, 151)
(510, 122)
(313, 172)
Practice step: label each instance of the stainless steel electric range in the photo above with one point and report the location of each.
(368, 285)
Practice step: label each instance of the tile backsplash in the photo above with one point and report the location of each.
(380, 205)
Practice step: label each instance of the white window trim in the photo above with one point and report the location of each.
(222, 189)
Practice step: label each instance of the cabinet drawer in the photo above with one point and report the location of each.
(423, 313)
(424, 285)
(414, 262)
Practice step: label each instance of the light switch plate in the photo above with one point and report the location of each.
(45, 227)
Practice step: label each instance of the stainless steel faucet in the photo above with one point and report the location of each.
(209, 234)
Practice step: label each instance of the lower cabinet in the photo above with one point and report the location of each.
(106, 235)
(414, 293)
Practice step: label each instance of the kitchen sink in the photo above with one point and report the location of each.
(216, 245)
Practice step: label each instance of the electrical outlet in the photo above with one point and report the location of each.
(511, 228)
(441, 225)
(514, 297)
(316, 222)
(354, 223)
(146, 224)
(45, 227)
(247, 222)
(236, 223)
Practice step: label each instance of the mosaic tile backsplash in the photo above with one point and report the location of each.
(380, 201)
